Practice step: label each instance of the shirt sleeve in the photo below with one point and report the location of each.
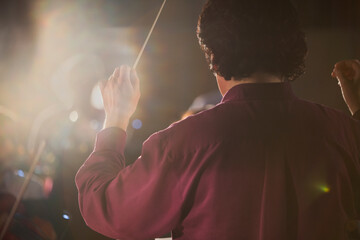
(140, 201)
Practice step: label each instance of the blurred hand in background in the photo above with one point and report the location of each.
(348, 74)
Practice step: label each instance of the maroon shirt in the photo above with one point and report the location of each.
(262, 164)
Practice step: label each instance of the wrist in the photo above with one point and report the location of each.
(356, 115)
(119, 122)
(354, 110)
(354, 106)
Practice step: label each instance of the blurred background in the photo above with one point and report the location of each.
(52, 54)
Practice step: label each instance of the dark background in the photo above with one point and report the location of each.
(52, 53)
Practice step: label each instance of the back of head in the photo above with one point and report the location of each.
(242, 37)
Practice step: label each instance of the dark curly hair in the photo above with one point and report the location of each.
(242, 37)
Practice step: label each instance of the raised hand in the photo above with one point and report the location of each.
(348, 74)
(120, 93)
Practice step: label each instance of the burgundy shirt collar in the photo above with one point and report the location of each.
(259, 91)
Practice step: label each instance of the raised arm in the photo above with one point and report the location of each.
(348, 74)
(128, 202)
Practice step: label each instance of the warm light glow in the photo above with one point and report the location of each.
(71, 48)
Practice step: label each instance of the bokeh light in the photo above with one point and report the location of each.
(20, 173)
(137, 124)
(74, 116)
(66, 216)
(324, 188)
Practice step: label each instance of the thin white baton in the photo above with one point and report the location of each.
(148, 36)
